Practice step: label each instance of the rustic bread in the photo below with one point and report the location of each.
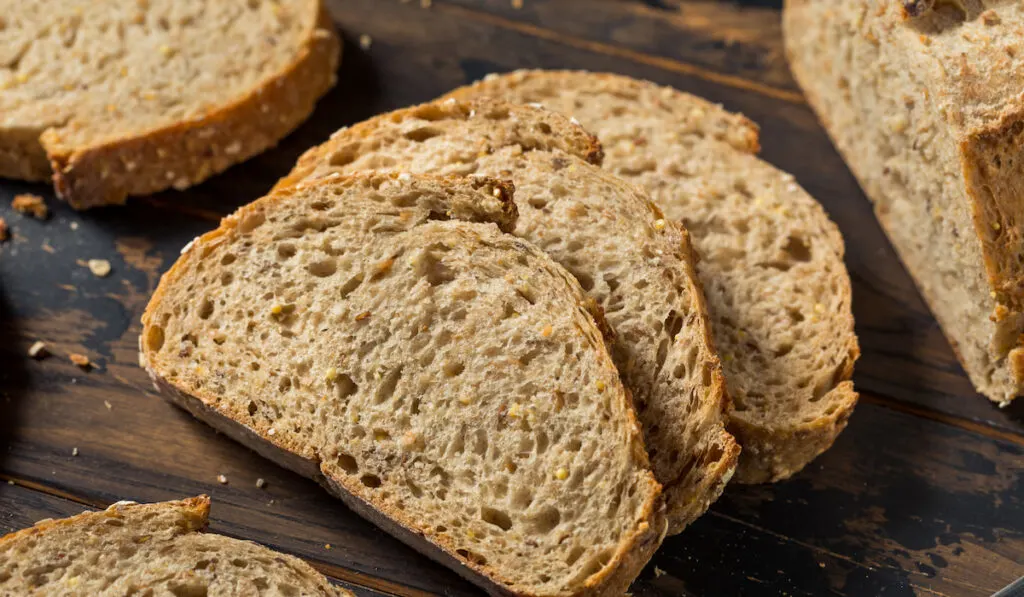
(928, 113)
(149, 549)
(610, 236)
(771, 261)
(445, 379)
(115, 98)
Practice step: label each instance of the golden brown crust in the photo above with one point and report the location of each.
(186, 153)
(197, 510)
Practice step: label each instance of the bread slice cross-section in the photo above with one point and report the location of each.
(381, 334)
(636, 264)
(149, 549)
(771, 262)
(112, 98)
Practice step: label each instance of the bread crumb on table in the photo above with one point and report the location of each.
(658, 572)
(81, 360)
(99, 267)
(261, 483)
(108, 405)
(4, 234)
(365, 41)
(38, 350)
(222, 479)
(30, 204)
(74, 451)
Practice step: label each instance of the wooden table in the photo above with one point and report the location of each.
(922, 494)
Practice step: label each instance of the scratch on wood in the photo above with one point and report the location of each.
(958, 422)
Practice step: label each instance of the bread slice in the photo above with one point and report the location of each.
(149, 549)
(113, 98)
(610, 236)
(447, 380)
(771, 261)
(928, 114)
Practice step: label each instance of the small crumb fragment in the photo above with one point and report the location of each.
(30, 204)
(81, 360)
(425, 3)
(261, 483)
(327, 545)
(517, 4)
(48, 248)
(38, 350)
(658, 572)
(222, 479)
(99, 267)
(107, 404)
(365, 41)
(74, 225)
(74, 451)
(4, 234)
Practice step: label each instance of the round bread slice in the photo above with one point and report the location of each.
(149, 549)
(114, 98)
(608, 234)
(447, 380)
(771, 260)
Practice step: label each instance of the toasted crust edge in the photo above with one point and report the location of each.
(185, 153)
(197, 508)
(613, 579)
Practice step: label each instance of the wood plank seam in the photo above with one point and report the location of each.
(661, 62)
(953, 421)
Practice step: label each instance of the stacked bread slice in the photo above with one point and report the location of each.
(149, 549)
(771, 261)
(456, 321)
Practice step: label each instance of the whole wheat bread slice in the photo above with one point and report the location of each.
(607, 233)
(923, 100)
(149, 549)
(771, 261)
(115, 98)
(445, 379)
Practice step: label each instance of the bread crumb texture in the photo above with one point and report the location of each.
(149, 549)
(32, 205)
(443, 407)
(636, 266)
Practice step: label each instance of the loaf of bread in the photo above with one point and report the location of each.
(771, 261)
(113, 98)
(450, 382)
(924, 101)
(149, 549)
(637, 265)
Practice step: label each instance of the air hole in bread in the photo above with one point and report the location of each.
(284, 385)
(574, 555)
(286, 250)
(251, 222)
(537, 202)
(797, 249)
(323, 268)
(228, 259)
(226, 278)
(205, 309)
(784, 350)
(252, 408)
(431, 267)
(344, 386)
(155, 338)
(422, 134)
(386, 389)
(344, 156)
(795, 315)
(495, 517)
(371, 481)
(472, 557)
(546, 519)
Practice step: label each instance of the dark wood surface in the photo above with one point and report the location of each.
(922, 495)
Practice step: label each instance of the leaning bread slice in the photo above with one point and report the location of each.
(445, 379)
(130, 98)
(771, 261)
(149, 549)
(610, 236)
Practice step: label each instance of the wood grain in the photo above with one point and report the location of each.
(921, 495)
